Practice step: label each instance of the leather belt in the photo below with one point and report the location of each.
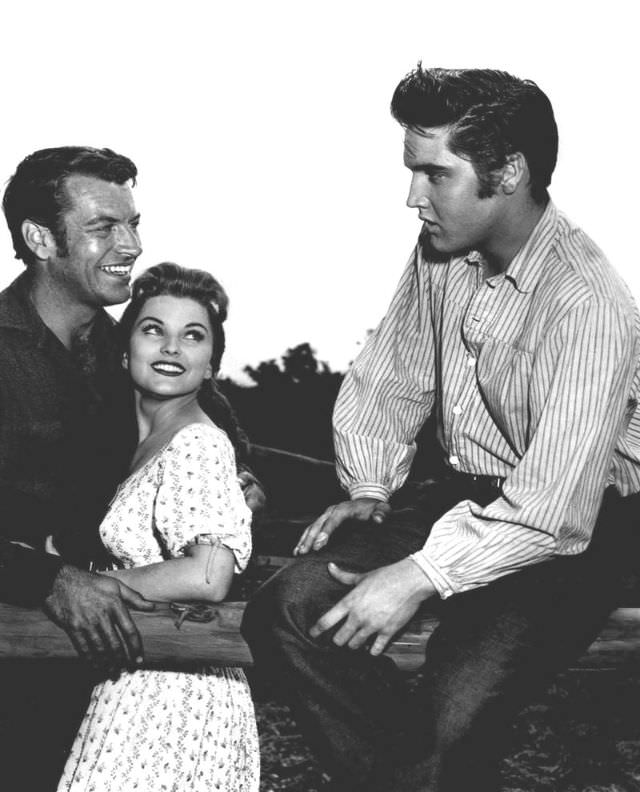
(481, 482)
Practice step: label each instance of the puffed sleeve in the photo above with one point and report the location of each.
(199, 498)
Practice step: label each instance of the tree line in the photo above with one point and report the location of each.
(290, 406)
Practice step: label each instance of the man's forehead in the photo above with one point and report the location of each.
(427, 143)
(90, 194)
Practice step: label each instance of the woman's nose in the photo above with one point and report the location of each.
(170, 346)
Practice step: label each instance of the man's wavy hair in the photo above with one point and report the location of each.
(490, 114)
(36, 190)
(168, 279)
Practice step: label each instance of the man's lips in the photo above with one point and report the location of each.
(168, 369)
(118, 270)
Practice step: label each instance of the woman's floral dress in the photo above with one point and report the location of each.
(172, 731)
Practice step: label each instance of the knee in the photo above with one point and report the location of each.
(290, 602)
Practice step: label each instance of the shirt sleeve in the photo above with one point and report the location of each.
(199, 494)
(26, 575)
(579, 406)
(387, 394)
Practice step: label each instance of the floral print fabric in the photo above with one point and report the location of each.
(172, 731)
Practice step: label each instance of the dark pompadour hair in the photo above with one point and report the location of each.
(490, 114)
(36, 190)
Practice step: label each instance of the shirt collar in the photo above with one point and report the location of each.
(17, 312)
(525, 269)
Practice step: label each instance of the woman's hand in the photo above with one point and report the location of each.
(253, 493)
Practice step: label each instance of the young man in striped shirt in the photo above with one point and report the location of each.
(510, 326)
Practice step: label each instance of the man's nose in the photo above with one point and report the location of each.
(128, 242)
(418, 196)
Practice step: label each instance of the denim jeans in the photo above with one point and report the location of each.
(495, 648)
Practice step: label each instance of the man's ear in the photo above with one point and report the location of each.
(513, 173)
(39, 239)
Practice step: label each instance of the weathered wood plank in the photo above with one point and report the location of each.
(28, 634)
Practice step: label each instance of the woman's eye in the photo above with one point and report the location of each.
(194, 335)
(151, 329)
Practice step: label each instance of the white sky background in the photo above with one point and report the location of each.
(265, 146)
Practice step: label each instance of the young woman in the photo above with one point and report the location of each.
(180, 528)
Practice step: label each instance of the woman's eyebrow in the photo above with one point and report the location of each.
(149, 318)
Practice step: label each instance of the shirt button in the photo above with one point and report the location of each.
(471, 361)
(457, 409)
(453, 460)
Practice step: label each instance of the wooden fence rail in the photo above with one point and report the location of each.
(29, 635)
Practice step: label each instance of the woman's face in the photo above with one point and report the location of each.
(170, 347)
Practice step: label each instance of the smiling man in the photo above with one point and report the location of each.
(62, 394)
(65, 431)
(512, 329)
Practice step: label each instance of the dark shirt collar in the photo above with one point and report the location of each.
(18, 312)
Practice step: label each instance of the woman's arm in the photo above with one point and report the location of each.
(203, 573)
(200, 520)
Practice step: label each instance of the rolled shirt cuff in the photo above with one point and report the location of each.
(437, 577)
(369, 490)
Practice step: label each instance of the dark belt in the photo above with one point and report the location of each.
(491, 485)
(436, 496)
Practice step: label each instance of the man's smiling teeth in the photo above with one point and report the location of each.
(168, 368)
(117, 269)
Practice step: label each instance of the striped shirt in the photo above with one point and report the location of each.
(534, 376)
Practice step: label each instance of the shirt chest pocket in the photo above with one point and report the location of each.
(504, 377)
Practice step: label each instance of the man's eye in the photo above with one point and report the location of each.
(104, 230)
(436, 178)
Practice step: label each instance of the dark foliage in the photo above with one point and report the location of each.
(290, 407)
(291, 404)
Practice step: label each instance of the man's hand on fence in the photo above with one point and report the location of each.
(93, 610)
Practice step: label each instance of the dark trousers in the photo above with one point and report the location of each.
(495, 647)
(42, 703)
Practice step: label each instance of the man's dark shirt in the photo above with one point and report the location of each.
(66, 433)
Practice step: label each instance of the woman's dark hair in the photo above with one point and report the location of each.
(36, 191)
(491, 115)
(171, 280)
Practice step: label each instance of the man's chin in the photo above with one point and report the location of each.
(435, 249)
(116, 296)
